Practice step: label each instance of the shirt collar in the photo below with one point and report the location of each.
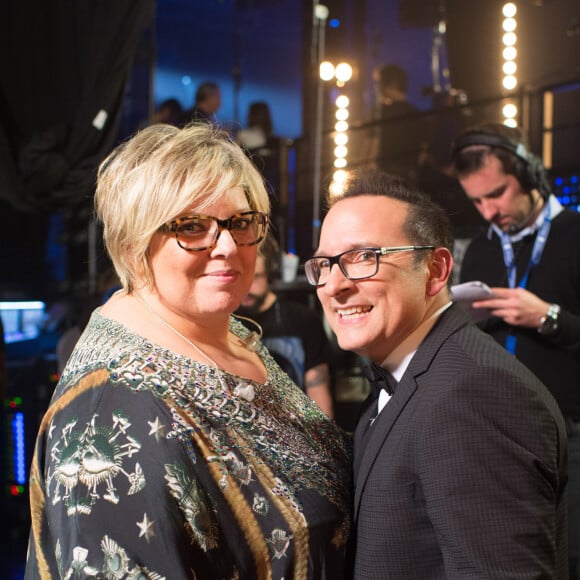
(398, 360)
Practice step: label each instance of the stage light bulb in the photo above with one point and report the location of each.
(509, 10)
(340, 162)
(343, 72)
(339, 176)
(326, 70)
(341, 126)
(509, 111)
(510, 123)
(321, 12)
(341, 139)
(509, 68)
(510, 82)
(509, 24)
(510, 53)
(336, 188)
(510, 39)
(341, 114)
(342, 102)
(340, 151)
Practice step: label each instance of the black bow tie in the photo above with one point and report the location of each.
(380, 378)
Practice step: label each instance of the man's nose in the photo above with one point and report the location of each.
(488, 209)
(337, 281)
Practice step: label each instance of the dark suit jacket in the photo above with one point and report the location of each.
(463, 474)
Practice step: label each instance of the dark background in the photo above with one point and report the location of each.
(62, 62)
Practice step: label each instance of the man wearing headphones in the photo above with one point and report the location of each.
(293, 333)
(530, 257)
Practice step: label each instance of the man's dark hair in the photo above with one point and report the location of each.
(205, 90)
(391, 75)
(170, 111)
(259, 116)
(427, 223)
(511, 147)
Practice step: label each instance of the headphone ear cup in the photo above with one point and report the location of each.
(528, 169)
(537, 174)
(523, 174)
(530, 173)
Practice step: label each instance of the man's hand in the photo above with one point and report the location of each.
(516, 306)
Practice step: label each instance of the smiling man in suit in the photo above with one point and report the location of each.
(460, 453)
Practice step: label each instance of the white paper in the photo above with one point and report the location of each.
(469, 292)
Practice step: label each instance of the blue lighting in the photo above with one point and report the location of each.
(22, 319)
(566, 188)
(19, 457)
(22, 305)
(334, 23)
(292, 160)
(566, 88)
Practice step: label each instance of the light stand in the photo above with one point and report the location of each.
(319, 23)
(440, 72)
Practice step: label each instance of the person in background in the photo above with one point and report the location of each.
(293, 333)
(460, 454)
(80, 310)
(174, 445)
(264, 149)
(402, 131)
(259, 128)
(169, 111)
(529, 255)
(208, 100)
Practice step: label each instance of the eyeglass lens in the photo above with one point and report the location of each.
(354, 264)
(200, 232)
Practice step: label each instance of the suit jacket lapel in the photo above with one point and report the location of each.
(363, 430)
(378, 432)
(451, 320)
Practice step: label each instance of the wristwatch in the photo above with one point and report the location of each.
(549, 323)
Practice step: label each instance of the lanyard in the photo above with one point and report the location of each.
(510, 264)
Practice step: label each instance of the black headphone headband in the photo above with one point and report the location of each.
(470, 139)
(529, 168)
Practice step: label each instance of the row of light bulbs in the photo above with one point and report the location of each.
(509, 67)
(341, 73)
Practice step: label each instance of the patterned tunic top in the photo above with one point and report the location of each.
(151, 465)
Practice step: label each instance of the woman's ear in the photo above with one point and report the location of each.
(440, 266)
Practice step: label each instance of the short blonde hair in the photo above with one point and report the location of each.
(158, 174)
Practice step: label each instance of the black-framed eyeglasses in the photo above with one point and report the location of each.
(355, 264)
(198, 232)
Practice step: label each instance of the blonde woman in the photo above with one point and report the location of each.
(174, 447)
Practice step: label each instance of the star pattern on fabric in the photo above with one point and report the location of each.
(157, 429)
(146, 528)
